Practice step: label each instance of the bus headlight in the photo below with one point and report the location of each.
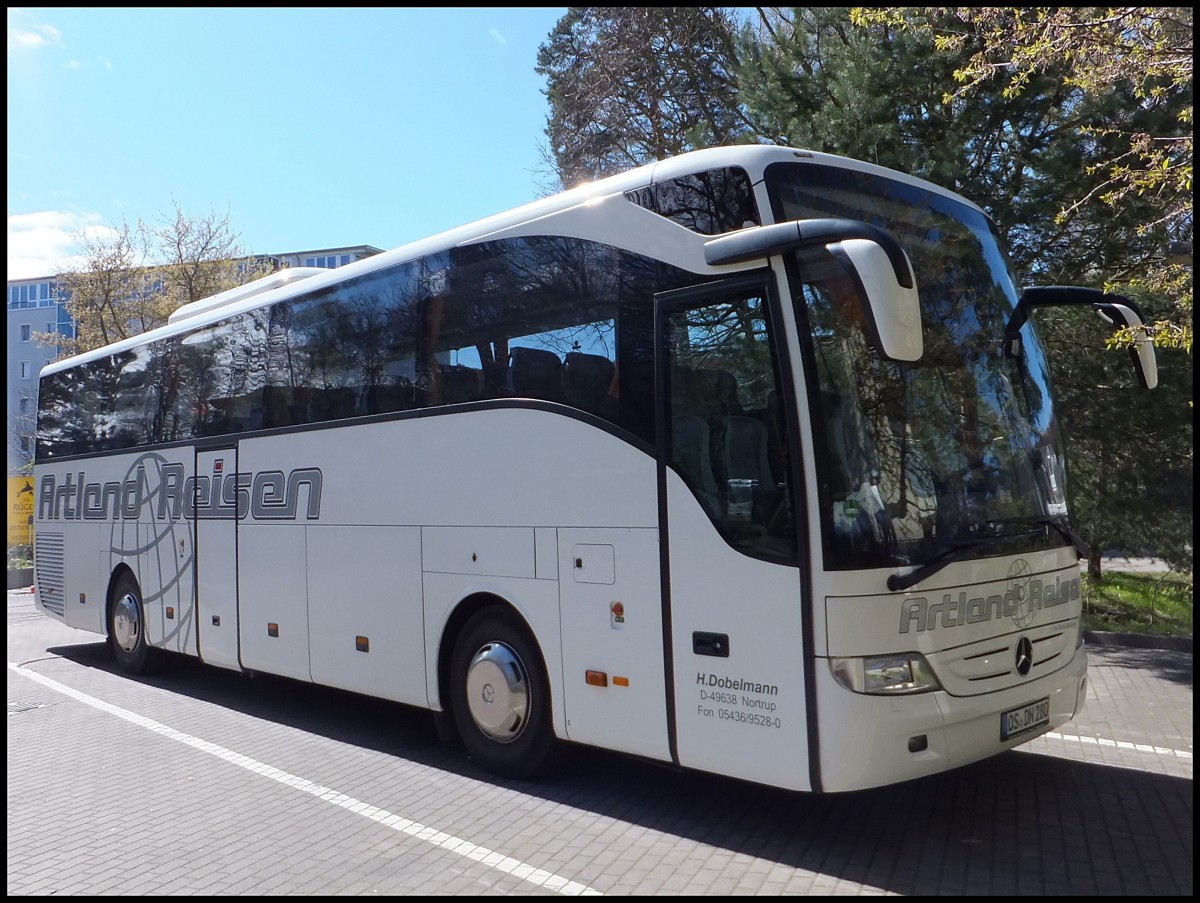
(885, 675)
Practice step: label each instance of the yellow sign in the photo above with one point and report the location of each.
(20, 511)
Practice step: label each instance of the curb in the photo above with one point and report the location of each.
(1139, 640)
(19, 578)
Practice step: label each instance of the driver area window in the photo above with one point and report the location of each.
(725, 425)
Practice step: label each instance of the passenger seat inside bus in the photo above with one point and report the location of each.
(738, 441)
(332, 403)
(716, 391)
(383, 399)
(691, 435)
(457, 384)
(285, 405)
(691, 455)
(535, 373)
(745, 451)
(588, 383)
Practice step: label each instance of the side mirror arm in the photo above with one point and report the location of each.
(1116, 310)
(763, 241)
(873, 257)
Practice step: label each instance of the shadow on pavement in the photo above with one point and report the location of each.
(1020, 823)
(1162, 661)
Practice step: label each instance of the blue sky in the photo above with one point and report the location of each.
(309, 128)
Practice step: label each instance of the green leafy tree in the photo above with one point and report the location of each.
(811, 79)
(110, 297)
(628, 85)
(1143, 55)
(199, 256)
(133, 278)
(1129, 451)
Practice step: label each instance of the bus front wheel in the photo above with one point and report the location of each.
(127, 628)
(500, 695)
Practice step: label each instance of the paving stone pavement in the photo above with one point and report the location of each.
(201, 781)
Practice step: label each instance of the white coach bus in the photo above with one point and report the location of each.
(744, 461)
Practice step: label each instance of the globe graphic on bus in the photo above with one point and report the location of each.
(157, 544)
(1020, 574)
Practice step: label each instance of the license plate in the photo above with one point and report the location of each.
(1028, 717)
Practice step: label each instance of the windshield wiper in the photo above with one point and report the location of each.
(1063, 529)
(1068, 534)
(948, 556)
(898, 582)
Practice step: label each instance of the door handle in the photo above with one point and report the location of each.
(715, 644)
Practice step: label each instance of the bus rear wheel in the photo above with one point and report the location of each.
(500, 695)
(127, 628)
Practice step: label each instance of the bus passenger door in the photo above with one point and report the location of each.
(215, 507)
(733, 587)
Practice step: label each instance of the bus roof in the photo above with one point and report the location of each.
(754, 158)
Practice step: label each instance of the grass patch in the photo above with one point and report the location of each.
(1139, 603)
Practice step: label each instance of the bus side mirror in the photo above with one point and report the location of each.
(892, 309)
(1119, 316)
(887, 287)
(1116, 310)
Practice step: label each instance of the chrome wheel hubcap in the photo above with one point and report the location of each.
(127, 622)
(498, 692)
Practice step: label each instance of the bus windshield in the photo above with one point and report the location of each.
(958, 450)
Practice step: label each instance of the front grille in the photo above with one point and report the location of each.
(48, 549)
(989, 665)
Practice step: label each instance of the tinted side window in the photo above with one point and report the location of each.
(63, 426)
(726, 435)
(225, 372)
(347, 351)
(553, 319)
(712, 202)
(120, 401)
